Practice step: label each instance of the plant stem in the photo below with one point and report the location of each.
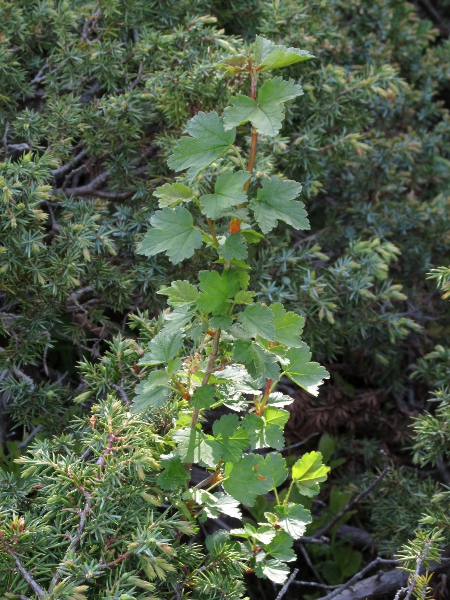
(212, 230)
(208, 373)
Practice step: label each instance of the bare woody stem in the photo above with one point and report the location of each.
(208, 373)
(26, 575)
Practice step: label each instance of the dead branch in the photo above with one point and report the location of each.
(352, 503)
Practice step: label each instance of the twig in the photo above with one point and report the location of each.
(25, 442)
(75, 540)
(21, 375)
(285, 587)
(39, 77)
(26, 575)
(86, 454)
(314, 540)
(89, 189)
(310, 564)
(412, 583)
(352, 503)
(322, 586)
(138, 78)
(69, 166)
(122, 393)
(358, 576)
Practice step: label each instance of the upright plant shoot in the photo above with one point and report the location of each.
(218, 345)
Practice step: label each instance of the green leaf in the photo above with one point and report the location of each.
(262, 434)
(163, 348)
(230, 439)
(266, 113)
(207, 143)
(174, 474)
(152, 392)
(203, 397)
(173, 232)
(274, 467)
(281, 547)
(243, 481)
(244, 297)
(171, 194)
(308, 472)
(217, 503)
(218, 290)
(192, 447)
(272, 56)
(293, 518)
(234, 246)
(266, 431)
(288, 326)
(260, 365)
(257, 320)
(273, 569)
(307, 375)
(179, 293)
(222, 322)
(275, 201)
(228, 192)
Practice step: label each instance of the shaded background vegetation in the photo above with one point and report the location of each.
(93, 97)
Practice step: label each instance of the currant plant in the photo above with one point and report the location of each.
(217, 346)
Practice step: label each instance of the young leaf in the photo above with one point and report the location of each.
(293, 518)
(262, 434)
(214, 504)
(281, 547)
(307, 375)
(218, 290)
(179, 293)
(234, 246)
(192, 447)
(243, 481)
(308, 472)
(274, 467)
(162, 348)
(203, 397)
(228, 192)
(207, 143)
(273, 569)
(174, 474)
(152, 392)
(173, 232)
(257, 320)
(272, 56)
(266, 113)
(275, 201)
(257, 362)
(230, 440)
(288, 326)
(171, 194)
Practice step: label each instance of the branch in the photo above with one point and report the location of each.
(352, 503)
(75, 540)
(285, 587)
(413, 580)
(89, 189)
(69, 166)
(26, 575)
(358, 576)
(122, 393)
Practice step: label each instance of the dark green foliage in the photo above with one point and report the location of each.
(93, 97)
